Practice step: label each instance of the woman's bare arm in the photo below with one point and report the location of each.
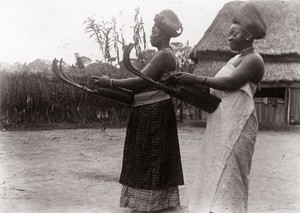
(243, 73)
(160, 62)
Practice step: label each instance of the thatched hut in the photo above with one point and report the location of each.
(278, 101)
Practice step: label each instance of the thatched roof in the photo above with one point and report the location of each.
(274, 71)
(280, 48)
(283, 34)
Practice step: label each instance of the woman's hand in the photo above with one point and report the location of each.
(102, 81)
(182, 78)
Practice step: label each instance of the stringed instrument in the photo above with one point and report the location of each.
(195, 95)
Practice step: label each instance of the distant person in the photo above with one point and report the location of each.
(79, 62)
(224, 157)
(152, 169)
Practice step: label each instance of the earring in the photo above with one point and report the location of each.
(247, 39)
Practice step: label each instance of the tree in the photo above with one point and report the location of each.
(107, 37)
(25, 68)
(139, 37)
(81, 61)
(111, 40)
(40, 65)
(182, 53)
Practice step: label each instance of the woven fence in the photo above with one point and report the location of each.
(38, 99)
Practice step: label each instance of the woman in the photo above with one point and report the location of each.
(152, 170)
(225, 154)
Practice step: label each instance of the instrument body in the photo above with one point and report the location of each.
(198, 97)
(120, 95)
(195, 95)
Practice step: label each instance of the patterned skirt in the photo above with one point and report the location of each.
(149, 200)
(151, 156)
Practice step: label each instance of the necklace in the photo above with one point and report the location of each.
(246, 50)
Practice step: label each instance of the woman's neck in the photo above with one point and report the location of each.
(164, 45)
(246, 50)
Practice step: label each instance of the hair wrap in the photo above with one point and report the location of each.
(168, 22)
(248, 17)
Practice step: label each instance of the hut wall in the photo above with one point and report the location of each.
(273, 105)
(268, 113)
(271, 113)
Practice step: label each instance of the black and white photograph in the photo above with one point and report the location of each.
(161, 106)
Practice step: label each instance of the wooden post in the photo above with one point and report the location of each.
(288, 111)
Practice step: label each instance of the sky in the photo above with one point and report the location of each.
(48, 29)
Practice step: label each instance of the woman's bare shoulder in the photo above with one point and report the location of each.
(255, 57)
(164, 59)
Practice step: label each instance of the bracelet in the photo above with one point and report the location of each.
(111, 82)
(204, 80)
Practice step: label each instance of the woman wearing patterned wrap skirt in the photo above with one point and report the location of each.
(152, 170)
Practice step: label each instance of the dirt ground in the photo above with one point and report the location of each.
(56, 171)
